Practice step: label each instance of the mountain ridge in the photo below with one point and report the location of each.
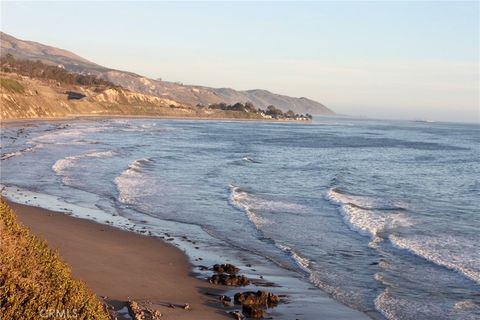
(187, 94)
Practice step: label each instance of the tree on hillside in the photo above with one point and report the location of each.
(274, 112)
(249, 107)
(238, 107)
(38, 69)
(290, 114)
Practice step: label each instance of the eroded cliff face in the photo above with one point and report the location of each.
(22, 98)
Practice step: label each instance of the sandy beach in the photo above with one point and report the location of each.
(121, 265)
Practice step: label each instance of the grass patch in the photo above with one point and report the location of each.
(34, 282)
(11, 85)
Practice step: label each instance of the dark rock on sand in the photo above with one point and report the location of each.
(226, 268)
(253, 312)
(259, 298)
(229, 280)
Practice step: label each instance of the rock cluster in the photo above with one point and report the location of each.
(137, 312)
(254, 303)
(259, 298)
(229, 280)
(226, 268)
(253, 312)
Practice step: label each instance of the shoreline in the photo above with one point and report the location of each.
(19, 121)
(119, 265)
(288, 283)
(106, 267)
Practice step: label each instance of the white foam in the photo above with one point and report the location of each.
(394, 308)
(132, 183)
(302, 262)
(364, 202)
(18, 153)
(253, 204)
(365, 215)
(65, 136)
(53, 203)
(249, 159)
(9, 155)
(350, 298)
(454, 252)
(243, 201)
(61, 166)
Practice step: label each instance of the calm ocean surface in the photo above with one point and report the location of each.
(384, 216)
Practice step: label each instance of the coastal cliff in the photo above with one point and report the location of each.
(184, 94)
(23, 97)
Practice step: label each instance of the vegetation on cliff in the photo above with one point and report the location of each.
(40, 70)
(270, 112)
(33, 89)
(34, 282)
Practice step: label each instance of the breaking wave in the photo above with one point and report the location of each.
(250, 159)
(368, 216)
(133, 183)
(62, 166)
(379, 218)
(453, 252)
(302, 262)
(252, 205)
(246, 202)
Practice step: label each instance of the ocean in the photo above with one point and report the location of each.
(382, 216)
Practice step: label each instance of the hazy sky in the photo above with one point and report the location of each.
(414, 60)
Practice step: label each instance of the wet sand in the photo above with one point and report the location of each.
(122, 265)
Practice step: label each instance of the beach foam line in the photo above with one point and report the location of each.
(53, 203)
(347, 298)
(18, 153)
(65, 136)
(9, 155)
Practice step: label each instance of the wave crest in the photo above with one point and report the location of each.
(453, 252)
(132, 182)
(62, 166)
(369, 216)
(244, 201)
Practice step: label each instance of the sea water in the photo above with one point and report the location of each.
(382, 216)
